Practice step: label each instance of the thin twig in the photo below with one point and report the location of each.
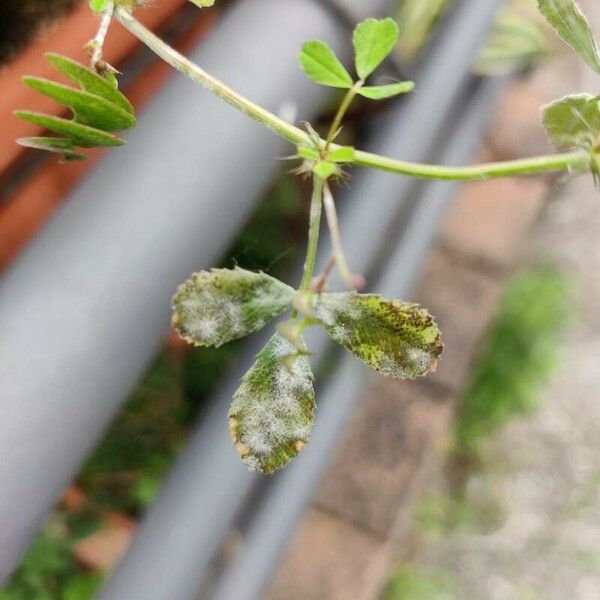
(336, 238)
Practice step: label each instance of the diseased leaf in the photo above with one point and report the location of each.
(212, 308)
(271, 417)
(571, 25)
(395, 338)
(53, 144)
(80, 135)
(320, 63)
(379, 92)
(89, 109)
(342, 154)
(573, 121)
(373, 40)
(89, 80)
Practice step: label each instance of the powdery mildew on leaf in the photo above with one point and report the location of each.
(271, 417)
(397, 339)
(215, 307)
(573, 121)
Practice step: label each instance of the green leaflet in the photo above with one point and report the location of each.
(571, 25)
(325, 169)
(320, 63)
(373, 40)
(379, 92)
(98, 5)
(203, 3)
(89, 80)
(89, 109)
(395, 338)
(80, 135)
(271, 417)
(98, 109)
(212, 308)
(573, 121)
(53, 144)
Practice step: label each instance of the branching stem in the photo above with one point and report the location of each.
(570, 162)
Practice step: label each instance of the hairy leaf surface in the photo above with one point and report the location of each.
(571, 25)
(271, 417)
(395, 338)
(373, 40)
(573, 121)
(215, 307)
(320, 63)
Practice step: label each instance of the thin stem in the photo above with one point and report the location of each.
(195, 73)
(574, 161)
(336, 238)
(314, 228)
(339, 115)
(570, 162)
(97, 43)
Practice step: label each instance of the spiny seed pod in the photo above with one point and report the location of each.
(98, 109)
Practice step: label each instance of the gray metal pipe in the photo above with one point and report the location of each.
(85, 308)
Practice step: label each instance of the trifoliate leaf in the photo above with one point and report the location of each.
(320, 63)
(212, 308)
(373, 40)
(99, 5)
(395, 338)
(341, 154)
(379, 92)
(80, 135)
(89, 80)
(89, 109)
(53, 144)
(271, 417)
(325, 169)
(573, 121)
(571, 25)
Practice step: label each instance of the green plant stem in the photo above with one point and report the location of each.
(574, 161)
(314, 227)
(339, 115)
(570, 162)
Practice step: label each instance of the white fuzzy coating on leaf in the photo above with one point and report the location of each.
(271, 417)
(397, 339)
(212, 308)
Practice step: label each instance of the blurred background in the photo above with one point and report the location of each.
(479, 482)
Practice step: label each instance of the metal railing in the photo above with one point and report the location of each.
(84, 310)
